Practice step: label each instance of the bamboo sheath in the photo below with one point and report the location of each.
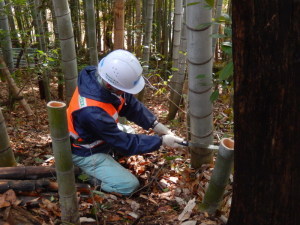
(63, 161)
(220, 176)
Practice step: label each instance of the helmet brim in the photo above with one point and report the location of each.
(137, 88)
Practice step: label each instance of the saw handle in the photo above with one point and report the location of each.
(184, 143)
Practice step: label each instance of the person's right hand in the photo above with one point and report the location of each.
(171, 141)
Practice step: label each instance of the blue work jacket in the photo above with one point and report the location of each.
(94, 123)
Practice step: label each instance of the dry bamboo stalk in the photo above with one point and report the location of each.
(42, 185)
(29, 172)
(16, 91)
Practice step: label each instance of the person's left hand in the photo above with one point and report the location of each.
(161, 129)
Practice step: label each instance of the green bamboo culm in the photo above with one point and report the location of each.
(63, 162)
(7, 157)
(220, 176)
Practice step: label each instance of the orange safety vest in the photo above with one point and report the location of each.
(79, 102)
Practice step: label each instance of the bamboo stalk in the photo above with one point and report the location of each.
(219, 179)
(63, 161)
(67, 45)
(7, 157)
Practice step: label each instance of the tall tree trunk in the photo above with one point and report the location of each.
(157, 17)
(108, 27)
(44, 23)
(74, 6)
(60, 85)
(129, 21)
(5, 39)
(139, 28)
(98, 26)
(164, 50)
(119, 24)
(176, 80)
(199, 63)
(91, 28)
(67, 45)
(147, 43)
(266, 113)
(216, 26)
(7, 157)
(12, 25)
(42, 46)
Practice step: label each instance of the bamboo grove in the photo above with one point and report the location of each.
(182, 51)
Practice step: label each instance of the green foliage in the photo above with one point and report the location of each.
(193, 3)
(224, 77)
(227, 72)
(169, 158)
(100, 193)
(210, 3)
(84, 177)
(214, 96)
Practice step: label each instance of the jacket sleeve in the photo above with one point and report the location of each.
(136, 112)
(96, 124)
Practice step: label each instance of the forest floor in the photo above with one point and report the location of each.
(170, 190)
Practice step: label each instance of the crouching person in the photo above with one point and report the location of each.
(103, 94)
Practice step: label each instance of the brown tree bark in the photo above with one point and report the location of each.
(266, 110)
(119, 24)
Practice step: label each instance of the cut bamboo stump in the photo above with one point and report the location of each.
(63, 162)
(220, 176)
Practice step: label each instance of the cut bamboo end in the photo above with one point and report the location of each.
(226, 148)
(228, 143)
(56, 104)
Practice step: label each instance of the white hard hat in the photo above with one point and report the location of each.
(123, 71)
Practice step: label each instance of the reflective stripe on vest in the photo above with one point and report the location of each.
(78, 102)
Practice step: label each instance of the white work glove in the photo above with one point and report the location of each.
(161, 129)
(172, 141)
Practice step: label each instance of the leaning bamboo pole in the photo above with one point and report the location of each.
(63, 162)
(7, 157)
(14, 88)
(220, 176)
(29, 172)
